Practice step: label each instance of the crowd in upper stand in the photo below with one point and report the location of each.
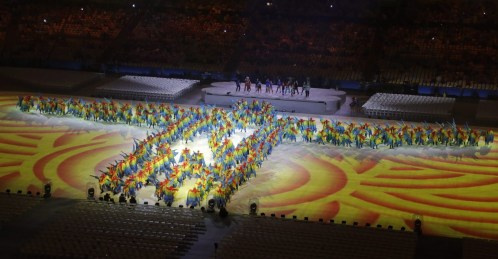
(5, 17)
(442, 54)
(185, 39)
(441, 43)
(455, 12)
(287, 45)
(63, 32)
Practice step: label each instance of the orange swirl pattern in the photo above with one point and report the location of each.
(35, 149)
(454, 190)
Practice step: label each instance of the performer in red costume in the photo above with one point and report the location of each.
(247, 84)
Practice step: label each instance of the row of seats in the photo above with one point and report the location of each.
(92, 229)
(270, 237)
(14, 205)
(101, 229)
(478, 248)
(426, 77)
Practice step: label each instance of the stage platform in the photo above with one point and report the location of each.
(320, 101)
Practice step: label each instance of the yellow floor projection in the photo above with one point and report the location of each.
(453, 190)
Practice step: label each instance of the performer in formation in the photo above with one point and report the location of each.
(237, 85)
(258, 86)
(306, 87)
(153, 159)
(285, 87)
(269, 86)
(247, 84)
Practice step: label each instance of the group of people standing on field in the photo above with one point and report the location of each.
(284, 87)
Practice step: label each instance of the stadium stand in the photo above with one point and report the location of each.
(14, 205)
(49, 78)
(100, 229)
(435, 44)
(5, 18)
(46, 228)
(269, 237)
(476, 248)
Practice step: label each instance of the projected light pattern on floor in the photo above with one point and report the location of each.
(453, 190)
(35, 149)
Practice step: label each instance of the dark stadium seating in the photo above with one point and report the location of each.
(14, 205)
(269, 237)
(100, 229)
(48, 228)
(436, 44)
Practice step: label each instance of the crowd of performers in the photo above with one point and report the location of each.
(153, 158)
(289, 86)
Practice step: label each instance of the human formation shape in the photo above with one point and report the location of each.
(153, 158)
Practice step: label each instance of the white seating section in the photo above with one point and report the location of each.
(146, 88)
(412, 107)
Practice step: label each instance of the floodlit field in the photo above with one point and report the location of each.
(454, 190)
